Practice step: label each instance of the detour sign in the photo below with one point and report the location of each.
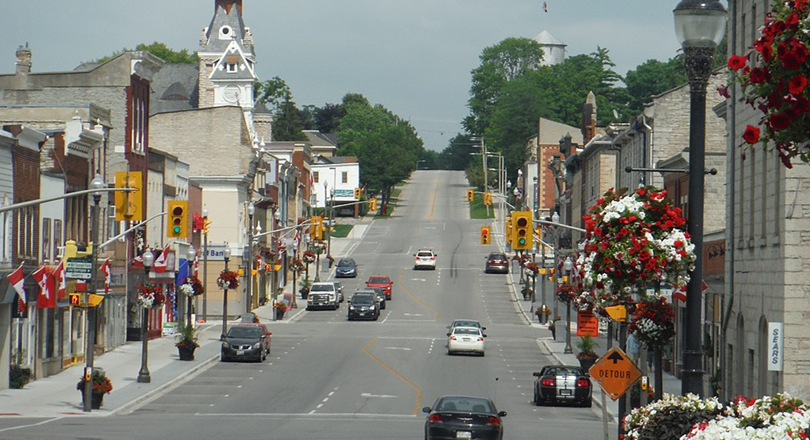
(615, 372)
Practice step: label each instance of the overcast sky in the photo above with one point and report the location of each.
(412, 56)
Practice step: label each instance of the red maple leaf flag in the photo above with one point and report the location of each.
(161, 263)
(17, 279)
(105, 267)
(41, 276)
(57, 283)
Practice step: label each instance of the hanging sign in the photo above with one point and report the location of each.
(776, 345)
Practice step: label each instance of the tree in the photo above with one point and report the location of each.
(288, 119)
(500, 64)
(328, 117)
(159, 50)
(653, 78)
(456, 156)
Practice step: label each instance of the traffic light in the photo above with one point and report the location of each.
(522, 230)
(508, 229)
(470, 195)
(488, 198)
(315, 227)
(177, 226)
(129, 204)
(206, 224)
(372, 204)
(485, 239)
(357, 193)
(75, 299)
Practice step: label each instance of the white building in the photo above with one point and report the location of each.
(336, 177)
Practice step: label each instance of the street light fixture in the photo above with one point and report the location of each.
(568, 266)
(192, 253)
(248, 258)
(699, 27)
(97, 183)
(143, 374)
(205, 264)
(226, 255)
(555, 218)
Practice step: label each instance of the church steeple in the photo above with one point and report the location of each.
(226, 58)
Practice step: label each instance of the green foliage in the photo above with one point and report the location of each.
(186, 336)
(653, 78)
(342, 231)
(456, 156)
(159, 50)
(18, 377)
(289, 121)
(478, 210)
(586, 345)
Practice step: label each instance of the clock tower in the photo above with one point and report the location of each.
(227, 59)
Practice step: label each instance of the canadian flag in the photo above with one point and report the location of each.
(17, 278)
(105, 267)
(45, 299)
(161, 263)
(57, 282)
(196, 266)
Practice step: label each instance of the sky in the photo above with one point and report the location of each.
(412, 56)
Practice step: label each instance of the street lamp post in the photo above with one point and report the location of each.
(699, 26)
(556, 219)
(226, 257)
(143, 374)
(248, 259)
(192, 253)
(568, 266)
(205, 264)
(96, 183)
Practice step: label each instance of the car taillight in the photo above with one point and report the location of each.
(547, 382)
(493, 421)
(480, 339)
(452, 338)
(583, 383)
(435, 418)
(433, 258)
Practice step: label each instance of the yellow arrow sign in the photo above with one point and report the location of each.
(618, 313)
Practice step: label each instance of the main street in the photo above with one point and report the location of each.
(330, 378)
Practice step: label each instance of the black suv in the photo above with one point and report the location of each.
(364, 306)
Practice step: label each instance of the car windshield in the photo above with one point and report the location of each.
(466, 331)
(323, 288)
(497, 256)
(377, 280)
(244, 332)
(563, 371)
(345, 262)
(465, 404)
(362, 299)
(427, 254)
(466, 324)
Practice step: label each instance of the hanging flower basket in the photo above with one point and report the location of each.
(150, 296)
(653, 322)
(774, 77)
(228, 280)
(631, 242)
(309, 257)
(192, 286)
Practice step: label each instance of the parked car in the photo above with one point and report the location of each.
(364, 305)
(339, 288)
(245, 342)
(346, 268)
(497, 262)
(466, 340)
(465, 323)
(323, 295)
(383, 282)
(563, 384)
(267, 334)
(459, 417)
(425, 259)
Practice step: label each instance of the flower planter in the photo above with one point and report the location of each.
(586, 364)
(96, 400)
(186, 353)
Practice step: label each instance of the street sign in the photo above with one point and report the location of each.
(618, 313)
(79, 268)
(615, 372)
(587, 324)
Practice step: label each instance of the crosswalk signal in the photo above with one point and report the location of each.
(485, 239)
(75, 299)
(470, 195)
(177, 226)
(522, 230)
(357, 193)
(508, 229)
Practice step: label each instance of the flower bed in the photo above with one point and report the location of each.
(774, 77)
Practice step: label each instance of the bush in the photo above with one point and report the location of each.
(18, 377)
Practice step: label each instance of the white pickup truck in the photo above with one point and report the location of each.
(323, 296)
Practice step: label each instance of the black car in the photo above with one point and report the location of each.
(380, 296)
(245, 342)
(346, 268)
(455, 417)
(497, 263)
(562, 384)
(364, 306)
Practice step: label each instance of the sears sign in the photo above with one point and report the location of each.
(776, 344)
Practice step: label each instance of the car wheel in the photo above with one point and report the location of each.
(222, 358)
(588, 403)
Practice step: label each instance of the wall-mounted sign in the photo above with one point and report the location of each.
(776, 345)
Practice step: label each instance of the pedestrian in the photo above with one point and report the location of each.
(650, 358)
(633, 347)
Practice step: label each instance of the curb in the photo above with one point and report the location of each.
(142, 400)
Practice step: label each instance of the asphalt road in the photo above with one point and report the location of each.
(328, 378)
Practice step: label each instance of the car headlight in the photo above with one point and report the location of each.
(351, 307)
(225, 344)
(257, 345)
(372, 307)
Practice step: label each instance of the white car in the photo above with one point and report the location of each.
(466, 340)
(424, 258)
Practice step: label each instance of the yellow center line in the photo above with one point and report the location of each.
(395, 373)
(433, 205)
(416, 298)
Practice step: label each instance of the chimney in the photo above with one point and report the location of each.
(23, 60)
(589, 118)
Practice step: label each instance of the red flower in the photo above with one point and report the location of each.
(791, 61)
(723, 91)
(779, 121)
(751, 134)
(797, 84)
(677, 243)
(758, 75)
(736, 62)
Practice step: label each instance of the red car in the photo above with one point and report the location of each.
(382, 282)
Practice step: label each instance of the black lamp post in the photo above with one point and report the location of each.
(226, 256)
(248, 263)
(568, 266)
(699, 26)
(192, 253)
(205, 265)
(97, 183)
(143, 375)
